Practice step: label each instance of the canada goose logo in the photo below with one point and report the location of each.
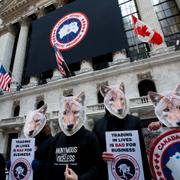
(125, 167)
(21, 169)
(69, 30)
(165, 155)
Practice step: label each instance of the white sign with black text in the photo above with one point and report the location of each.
(22, 155)
(127, 163)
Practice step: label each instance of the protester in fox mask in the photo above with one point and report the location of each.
(36, 126)
(167, 108)
(117, 119)
(75, 153)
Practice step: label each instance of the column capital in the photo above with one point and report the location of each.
(86, 65)
(40, 12)
(56, 74)
(24, 21)
(11, 29)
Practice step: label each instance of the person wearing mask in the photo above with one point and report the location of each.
(116, 118)
(75, 153)
(36, 126)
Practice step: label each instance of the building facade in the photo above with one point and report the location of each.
(141, 68)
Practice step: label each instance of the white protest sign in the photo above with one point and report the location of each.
(22, 155)
(127, 163)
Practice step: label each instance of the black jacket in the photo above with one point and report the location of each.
(80, 151)
(2, 167)
(112, 123)
(43, 144)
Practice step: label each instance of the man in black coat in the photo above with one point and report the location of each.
(2, 167)
(36, 126)
(117, 119)
(75, 153)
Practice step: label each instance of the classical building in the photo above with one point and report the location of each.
(142, 67)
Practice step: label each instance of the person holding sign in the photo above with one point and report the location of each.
(75, 153)
(117, 119)
(36, 126)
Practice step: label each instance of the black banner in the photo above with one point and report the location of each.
(105, 34)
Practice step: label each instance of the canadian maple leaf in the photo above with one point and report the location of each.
(143, 30)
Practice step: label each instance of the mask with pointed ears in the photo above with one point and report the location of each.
(114, 100)
(72, 116)
(167, 107)
(35, 122)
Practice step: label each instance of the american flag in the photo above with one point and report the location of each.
(5, 79)
(60, 61)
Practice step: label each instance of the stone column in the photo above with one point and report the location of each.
(86, 65)
(149, 17)
(178, 3)
(33, 81)
(20, 53)
(119, 57)
(40, 12)
(6, 46)
(2, 141)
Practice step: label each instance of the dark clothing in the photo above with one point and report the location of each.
(80, 151)
(112, 123)
(41, 154)
(2, 167)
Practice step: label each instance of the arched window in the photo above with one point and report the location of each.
(40, 104)
(16, 111)
(100, 97)
(145, 86)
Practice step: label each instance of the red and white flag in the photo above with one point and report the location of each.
(5, 79)
(145, 33)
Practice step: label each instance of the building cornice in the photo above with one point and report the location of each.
(95, 75)
(11, 11)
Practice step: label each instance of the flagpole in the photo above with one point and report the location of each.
(11, 75)
(67, 68)
(137, 47)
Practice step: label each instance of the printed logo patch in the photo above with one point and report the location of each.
(21, 169)
(165, 156)
(69, 30)
(125, 167)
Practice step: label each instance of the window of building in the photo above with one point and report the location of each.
(169, 17)
(137, 49)
(101, 62)
(39, 104)
(100, 98)
(145, 86)
(10, 137)
(16, 111)
(44, 76)
(68, 92)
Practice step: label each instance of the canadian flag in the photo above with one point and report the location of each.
(146, 33)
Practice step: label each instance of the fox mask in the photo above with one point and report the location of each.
(167, 107)
(72, 116)
(35, 121)
(114, 100)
